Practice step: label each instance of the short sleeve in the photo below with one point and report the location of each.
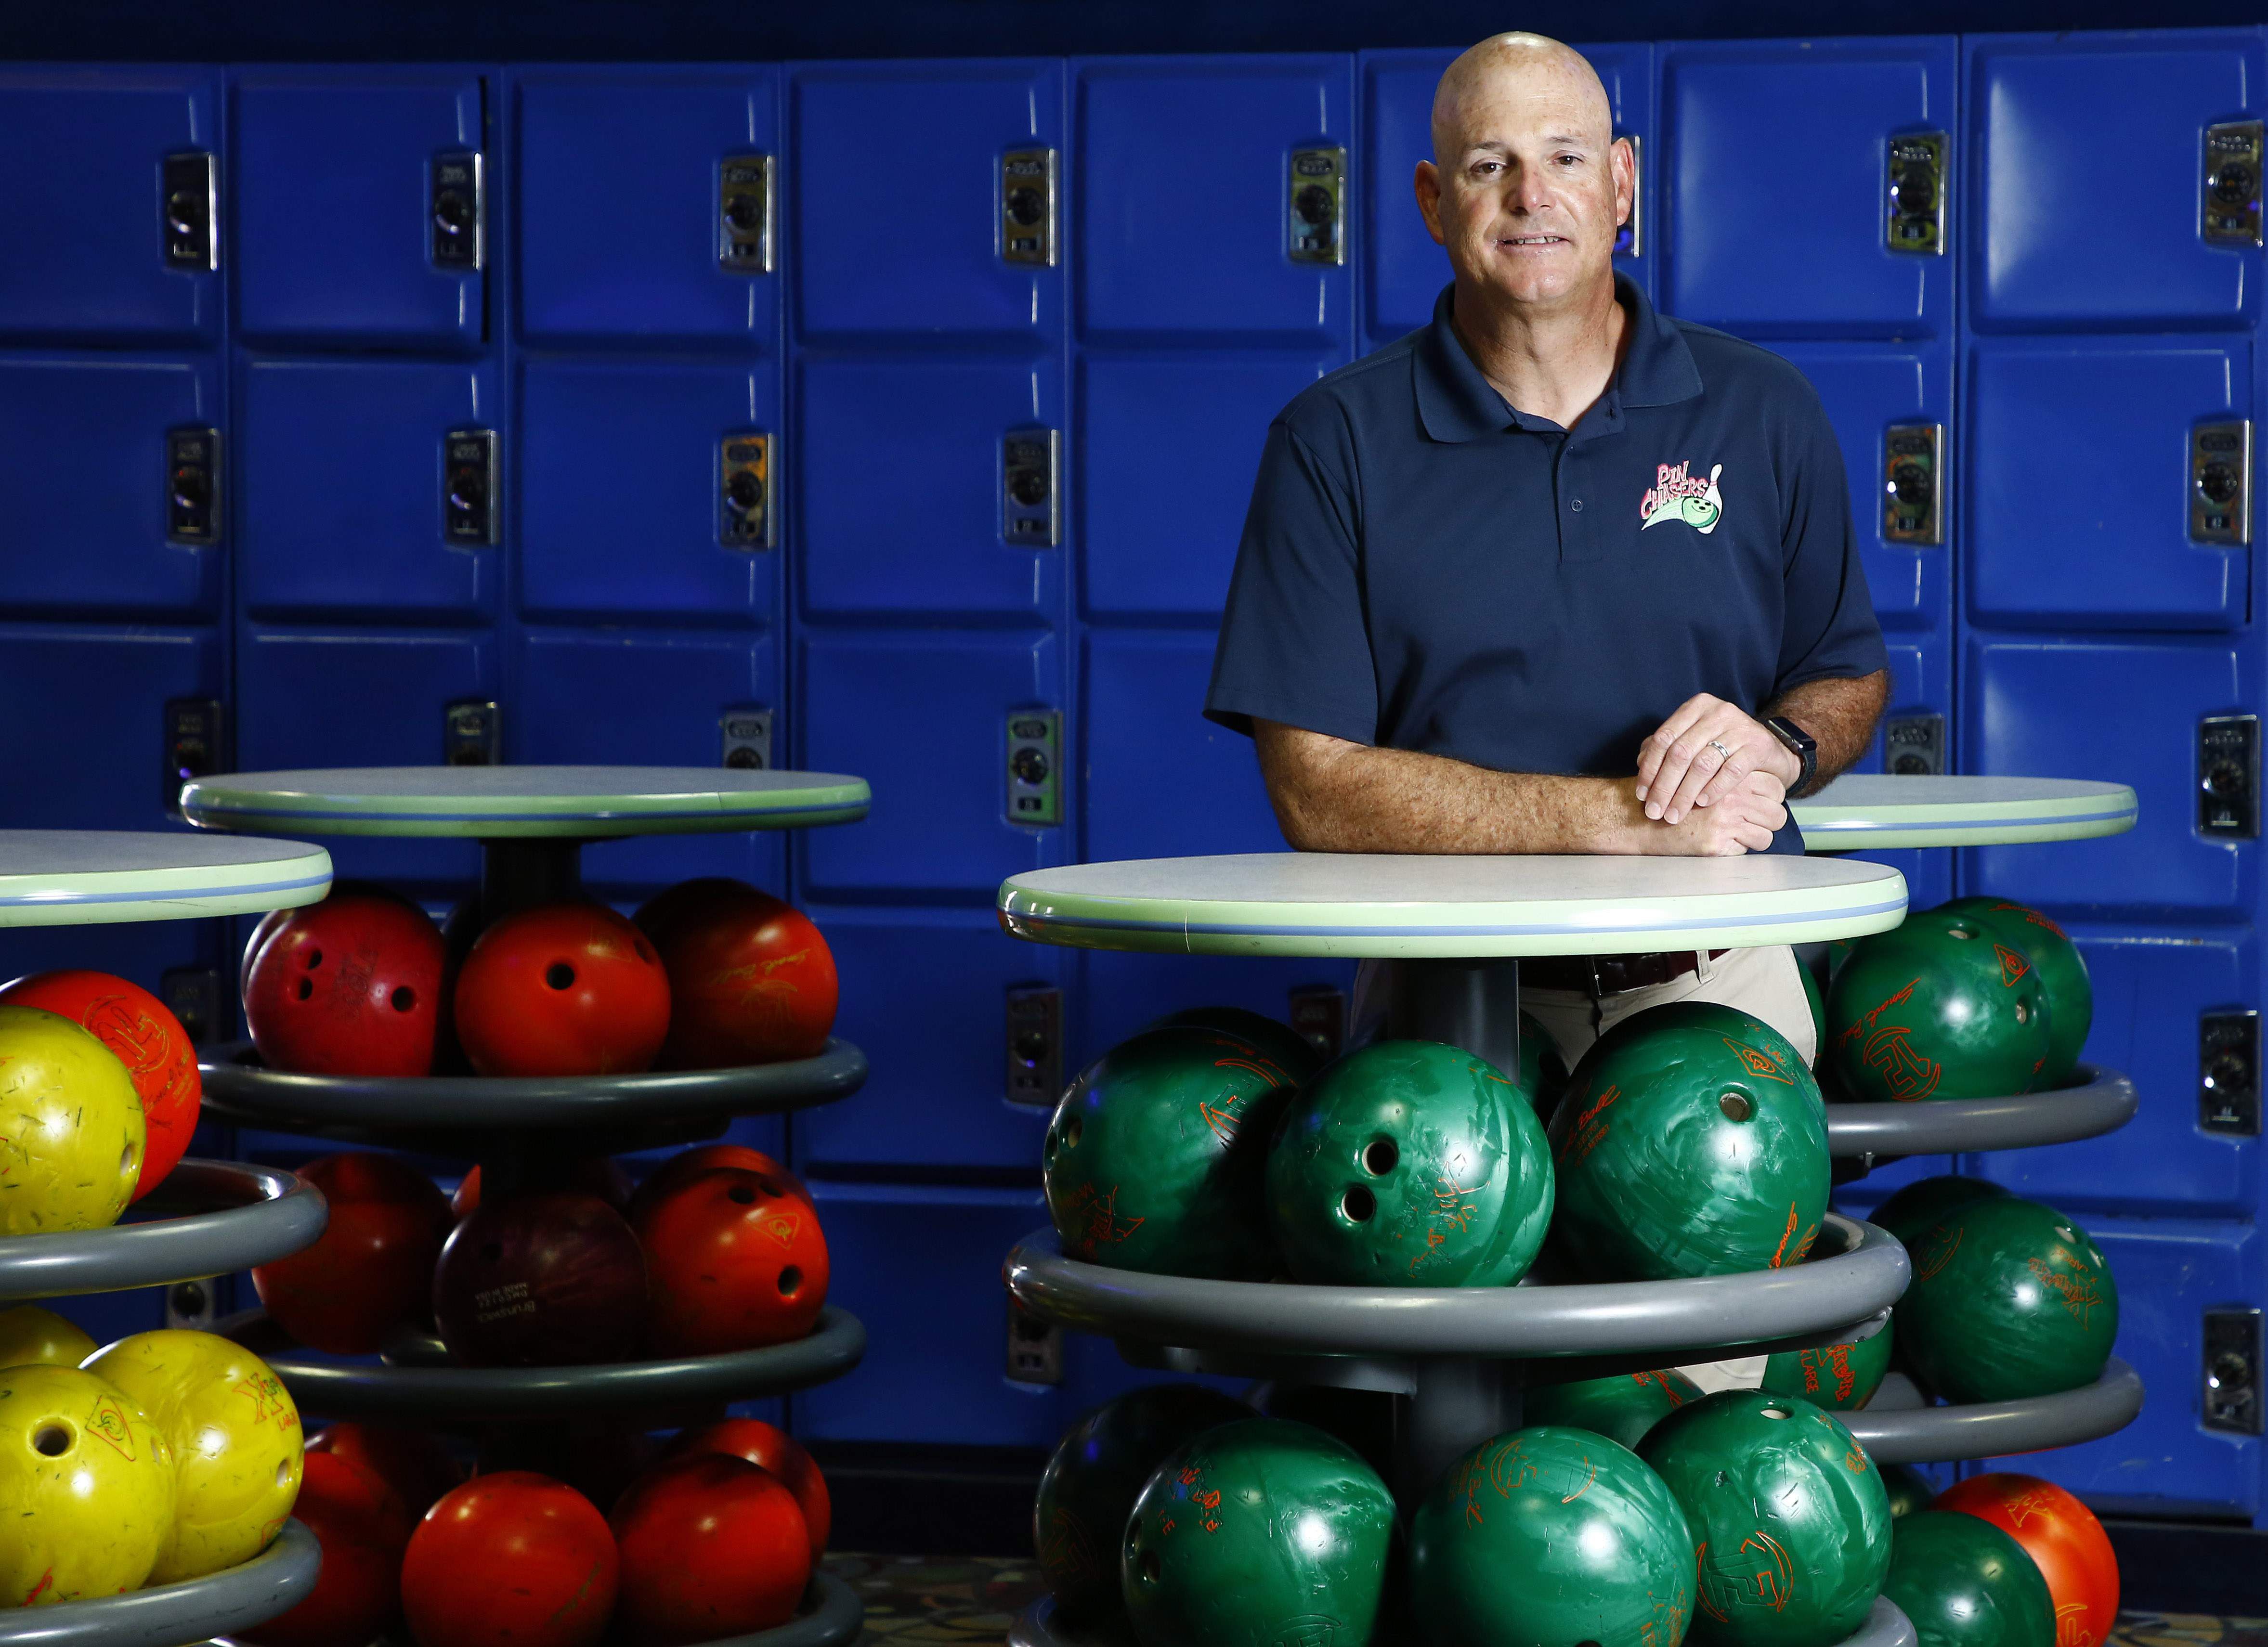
(1829, 630)
(1294, 646)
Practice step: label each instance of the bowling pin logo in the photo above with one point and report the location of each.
(1676, 494)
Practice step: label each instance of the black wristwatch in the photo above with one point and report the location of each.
(1800, 741)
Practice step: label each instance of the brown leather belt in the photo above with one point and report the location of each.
(1608, 975)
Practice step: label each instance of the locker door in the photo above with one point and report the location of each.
(619, 204)
(2066, 125)
(2082, 478)
(340, 201)
(1185, 204)
(621, 494)
(1777, 185)
(1407, 269)
(88, 198)
(1921, 699)
(617, 698)
(1168, 449)
(86, 484)
(1121, 994)
(2142, 703)
(923, 717)
(935, 984)
(904, 491)
(1145, 724)
(344, 488)
(85, 733)
(926, 255)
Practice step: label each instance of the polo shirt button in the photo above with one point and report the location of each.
(1577, 505)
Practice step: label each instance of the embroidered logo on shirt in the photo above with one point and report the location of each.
(1676, 495)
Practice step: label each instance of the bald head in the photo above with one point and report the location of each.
(1513, 70)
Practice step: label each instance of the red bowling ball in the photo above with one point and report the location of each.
(363, 1527)
(711, 1545)
(412, 1462)
(738, 1262)
(513, 1560)
(371, 1271)
(777, 1451)
(598, 1175)
(551, 1278)
(751, 981)
(348, 986)
(568, 988)
(145, 1037)
(686, 1163)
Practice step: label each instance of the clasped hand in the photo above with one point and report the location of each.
(1717, 776)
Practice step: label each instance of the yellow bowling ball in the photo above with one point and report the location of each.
(70, 1127)
(236, 1441)
(86, 1488)
(30, 1336)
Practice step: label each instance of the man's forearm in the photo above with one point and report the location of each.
(1840, 715)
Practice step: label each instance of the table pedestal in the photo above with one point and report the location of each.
(520, 873)
(1474, 1005)
(1457, 1404)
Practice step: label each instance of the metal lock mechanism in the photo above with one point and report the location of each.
(746, 518)
(1035, 1347)
(1317, 204)
(1913, 746)
(1034, 764)
(1027, 207)
(1030, 469)
(191, 994)
(2228, 1073)
(2232, 1370)
(192, 1305)
(2230, 200)
(196, 747)
(748, 740)
(1916, 193)
(459, 224)
(469, 487)
(2229, 777)
(2221, 482)
(472, 734)
(1318, 1015)
(1033, 1024)
(1630, 239)
(744, 214)
(1913, 483)
(193, 486)
(189, 206)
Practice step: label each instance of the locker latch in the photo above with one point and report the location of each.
(460, 225)
(1035, 767)
(748, 736)
(1027, 207)
(1913, 746)
(472, 734)
(1913, 483)
(2232, 1370)
(2231, 196)
(1035, 1347)
(747, 520)
(2221, 482)
(1317, 201)
(189, 1305)
(1029, 473)
(193, 486)
(744, 214)
(1318, 1015)
(469, 487)
(2228, 1073)
(1034, 1026)
(1629, 239)
(190, 207)
(1916, 193)
(2229, 777)
(191, 994)
(196, 747)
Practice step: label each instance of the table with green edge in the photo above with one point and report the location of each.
(1868, 812)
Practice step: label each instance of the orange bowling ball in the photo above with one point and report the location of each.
(2063, 1539)
(145, 1037)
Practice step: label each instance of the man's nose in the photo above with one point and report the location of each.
(1526, 191)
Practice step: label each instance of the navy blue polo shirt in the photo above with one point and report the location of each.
(1425, 568)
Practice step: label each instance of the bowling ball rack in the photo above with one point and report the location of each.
(207, 1218)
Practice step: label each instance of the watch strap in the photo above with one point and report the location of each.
(1801, 744)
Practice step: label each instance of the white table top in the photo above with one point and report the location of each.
(504, 802)
(1866, 811)
(1351, 904)
(84, 878)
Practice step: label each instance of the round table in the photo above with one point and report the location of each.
(88, 876)
(1866, 812)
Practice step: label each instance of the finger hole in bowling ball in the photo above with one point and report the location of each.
(1381, 1158)
(2023, 1013)
(1148, 1566)
(126, 1157)
(282, 1472)
(404, 999)
(644, 953)
(1774, 1412)
(742, 1193)
(1960, 931)
(772, 1187)
(314, 960)
(1736, 1106)
(1359, 1203)
(306, 989)
(559, 974)
(51, 1440)
(1071, 1131)
(791, 1282)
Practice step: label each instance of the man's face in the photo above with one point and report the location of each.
(1528, 186)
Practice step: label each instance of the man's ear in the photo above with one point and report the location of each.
(1624, 161)
(1427, 183)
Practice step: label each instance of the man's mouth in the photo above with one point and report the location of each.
(1533, 239)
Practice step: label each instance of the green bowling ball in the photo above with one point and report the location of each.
(1967, 1585)
(2009, 1299)
(1099, 1468)
(1280, 1041)
(1550, 1537)
(1788, 1513)
(2062, 974)
(1942, 1007)
(1409, 1163)
(1691, 1142)
(1543, 1071)
(1838, 1377)
(1909, 1212)
(1255, 1534)
(1621, 1408)
(1155, 1157)
(1909, 1489)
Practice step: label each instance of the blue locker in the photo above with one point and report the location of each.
(88, 197)
(902, 498)
(622, 490)
(1798, 247)
(1146, 729)
(934, 269)
(2141, 702)
(2149, 989)
(925, 993)
(1859, 1198)
(2079, 460)
(143, 951)
(615, 697)
(1921, 683)
(1406, 269)
(619, 203)
(344, 493)
(1122, 994)
(84, 490)
(334, 175)
(921, 1268)
(2085, 164)
(1183, 208)
(923, 717)
(91, 756)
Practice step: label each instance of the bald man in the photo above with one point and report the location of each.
(1556, 573)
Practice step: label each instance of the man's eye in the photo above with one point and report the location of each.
(1570, 159)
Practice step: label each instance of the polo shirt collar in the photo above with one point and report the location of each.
(1457, 404)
